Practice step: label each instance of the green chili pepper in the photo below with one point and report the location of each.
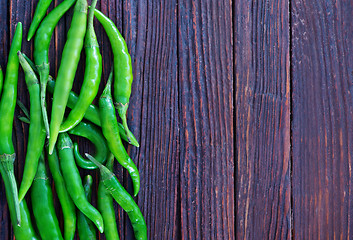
(92, 77)
(122, 68)
(42, 204)
(68, 207)
(92, 113)
(7, 109)
(39, 14)
(106, 207)
(1, 79)
(124, 199)
(111, 133)
(41, 49)
(92, 133)
(67, 69)
(85, 227)
(73, 181)
(36, 136)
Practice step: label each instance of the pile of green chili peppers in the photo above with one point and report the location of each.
(97, 124)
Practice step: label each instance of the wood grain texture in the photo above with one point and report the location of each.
(150, 30)
(181, 111)
(262, 119)
(322, 64)
(206, 121)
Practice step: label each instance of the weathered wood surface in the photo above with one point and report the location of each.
(322, 125)
(262, 119)
(181, 111)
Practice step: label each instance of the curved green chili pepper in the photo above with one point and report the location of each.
(85, 227)
(122, 68)
(67, 69)
(92, 77)
(73, 181)
(39, 14)
(42, 204)
(92, 113)
(41, 50)
(7, 109)
(19, 212)
(111, 133)
(36, 136)
(1, 79)
(124, 199)
(68, 207)
(93, 134)
(106, 207)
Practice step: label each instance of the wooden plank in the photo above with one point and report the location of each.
(322, 60)
(262, 119)
(150, 30)
(205, 54)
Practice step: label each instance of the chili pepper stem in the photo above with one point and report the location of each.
(105, 172)
(44, 76)
(31, 63)
(7, 161)
(122, 109)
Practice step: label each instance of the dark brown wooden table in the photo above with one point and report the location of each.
(263, 84)
(181, 111)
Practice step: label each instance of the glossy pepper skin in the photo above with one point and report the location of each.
(86, 229)
(67, 70)
(7, 109)
(122, 68)
(19, 213)
(93, 134)
(36, 135)
(92, 77)
(43, 206)
(41, 50)
(111, 133)
(39, 14)
(92, 113)
(124, 199)
(106, 207)
(67, 205)
(73, 181)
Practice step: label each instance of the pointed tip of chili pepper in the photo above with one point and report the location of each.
(19, 24)
(122, 109)
(135, 143)
(99, 165)
(104, 171)
(100, 228)
(21, 194)
(107, 89)
(29, 37)
(88, 180)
